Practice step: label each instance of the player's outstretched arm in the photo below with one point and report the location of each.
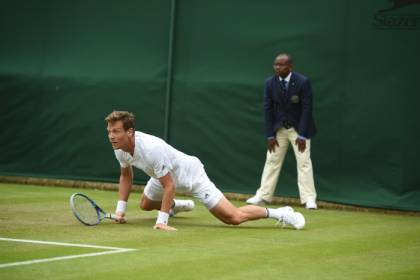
(124, 189)
(167, 200)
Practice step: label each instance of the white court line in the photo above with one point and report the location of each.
(112, 250)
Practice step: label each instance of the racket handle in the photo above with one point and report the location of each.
(111, 216)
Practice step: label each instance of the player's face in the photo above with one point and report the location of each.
(281, 66)
(118, 137)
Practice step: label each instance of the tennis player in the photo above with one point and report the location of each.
(170, 171)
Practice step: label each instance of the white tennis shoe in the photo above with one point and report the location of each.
(181, 206)
(311, 204)
(290, 217)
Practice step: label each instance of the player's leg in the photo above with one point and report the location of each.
(229, 214)
(152, 199)
(152, 195)
(205, 190)
(225, 211)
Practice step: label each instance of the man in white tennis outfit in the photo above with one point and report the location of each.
(170, 171)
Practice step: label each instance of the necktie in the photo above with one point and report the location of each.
(283, 85)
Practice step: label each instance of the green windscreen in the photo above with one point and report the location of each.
(64, 65)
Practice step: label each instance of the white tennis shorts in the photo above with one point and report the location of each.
(200, 186)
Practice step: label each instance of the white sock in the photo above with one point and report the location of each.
(180, 203)
(177, 203)
(275, 214)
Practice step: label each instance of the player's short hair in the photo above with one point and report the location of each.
(127, 119)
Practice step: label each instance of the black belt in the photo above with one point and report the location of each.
(287, 124)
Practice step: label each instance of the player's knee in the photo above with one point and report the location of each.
(144, 205)
(233, 220)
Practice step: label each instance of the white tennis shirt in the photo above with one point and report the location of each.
(156, 158)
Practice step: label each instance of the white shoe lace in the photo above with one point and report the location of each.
(294, 219)
(290, 217)
(282, 220)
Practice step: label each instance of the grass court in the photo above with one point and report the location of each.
(334, 244)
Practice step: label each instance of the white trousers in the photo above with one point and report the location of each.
(274, 162)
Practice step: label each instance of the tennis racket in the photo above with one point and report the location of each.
(87, 211)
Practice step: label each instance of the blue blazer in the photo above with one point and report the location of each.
(294, 107)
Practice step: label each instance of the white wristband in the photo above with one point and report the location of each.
(121, 206)
(162, 218)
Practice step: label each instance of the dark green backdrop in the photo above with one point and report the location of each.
(64, 65)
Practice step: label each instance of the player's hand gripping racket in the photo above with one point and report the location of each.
(87, 211)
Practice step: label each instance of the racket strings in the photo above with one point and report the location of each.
(85, 210)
